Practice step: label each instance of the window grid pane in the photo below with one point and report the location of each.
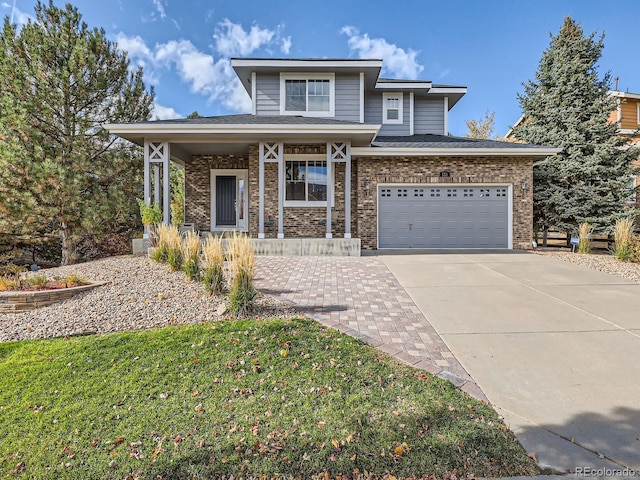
(306, 181)
(296, 95)
(318, 95)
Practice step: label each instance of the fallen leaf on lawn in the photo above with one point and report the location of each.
(399, 450)
(335, 444)
(177, 439)
(95, 442)
(119, 441)
(195, 393)
(20, 467)
(199, 408)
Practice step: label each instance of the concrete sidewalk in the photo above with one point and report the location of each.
(554, 346)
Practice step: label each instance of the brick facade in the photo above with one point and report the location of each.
(366, 171)
(515, 171)
(197, 185)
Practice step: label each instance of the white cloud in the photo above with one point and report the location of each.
(286, 45)
(208, 76)
(161, 112)
(16, 15)
(232, 39)
(160, 8)
(213, 79)
(396, 60)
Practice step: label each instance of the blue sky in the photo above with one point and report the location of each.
(490, 47)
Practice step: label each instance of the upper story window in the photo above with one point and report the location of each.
(392, 108)
(311, 95)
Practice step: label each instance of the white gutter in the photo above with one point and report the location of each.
(165, 129)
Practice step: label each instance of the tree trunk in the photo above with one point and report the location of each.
(68, 246)
(544, 237)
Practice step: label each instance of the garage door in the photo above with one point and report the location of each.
(467, 216)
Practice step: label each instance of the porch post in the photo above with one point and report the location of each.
(166, 195)
(157, 153)
(347, 193)
(329, 189)
(156, 183)
(261, 192)
(281, 193)
(147, 181)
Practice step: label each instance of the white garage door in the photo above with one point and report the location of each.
(465, 216)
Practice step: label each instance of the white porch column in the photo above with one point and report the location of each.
(156, 183)
(147, 181)
(329, 234)
(281, 195)
(271, 153)
(166, 194)
(157, 153)
(340, 152)
(347, 193)
(261, 193)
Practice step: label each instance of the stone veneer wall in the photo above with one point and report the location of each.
(197, 188)
(511, 170)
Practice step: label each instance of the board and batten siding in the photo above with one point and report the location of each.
(347, 96)
(428, 116)
(373, 114)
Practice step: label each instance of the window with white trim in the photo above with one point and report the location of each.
(638, 113)
(311, 95)
(392, 108)
(305, 182)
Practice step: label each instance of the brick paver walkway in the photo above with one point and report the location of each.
(360, 297)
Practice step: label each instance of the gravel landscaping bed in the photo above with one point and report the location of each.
(604, 262)
(140, 294)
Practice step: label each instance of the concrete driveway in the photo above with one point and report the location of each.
(554, 346)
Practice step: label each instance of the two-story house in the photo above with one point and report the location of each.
(334, 158)
(627, 116)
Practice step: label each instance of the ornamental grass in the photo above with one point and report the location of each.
(213, 265)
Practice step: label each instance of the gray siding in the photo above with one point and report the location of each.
(268, 93)
(428, 116)
(348, 97)
(373, 114)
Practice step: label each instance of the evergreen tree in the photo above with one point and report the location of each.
(567, 106)
(61, 173)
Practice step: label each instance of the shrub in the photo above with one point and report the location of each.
(151, 216)
(74, 280)
(191, 255)
(213, 265)
(38, 281)
(585, 231)
(243, 268)
(623, 237)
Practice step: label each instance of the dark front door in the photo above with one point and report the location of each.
(226, 200)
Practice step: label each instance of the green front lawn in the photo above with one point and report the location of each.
(248, 397)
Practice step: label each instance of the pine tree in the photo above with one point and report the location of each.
(61, 173)
(567, 106)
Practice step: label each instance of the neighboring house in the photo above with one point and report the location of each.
(627, 116)
(333, 153)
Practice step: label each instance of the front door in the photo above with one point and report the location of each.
(229, 207)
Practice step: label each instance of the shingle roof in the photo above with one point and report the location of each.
(443, 141)
(248, 119)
